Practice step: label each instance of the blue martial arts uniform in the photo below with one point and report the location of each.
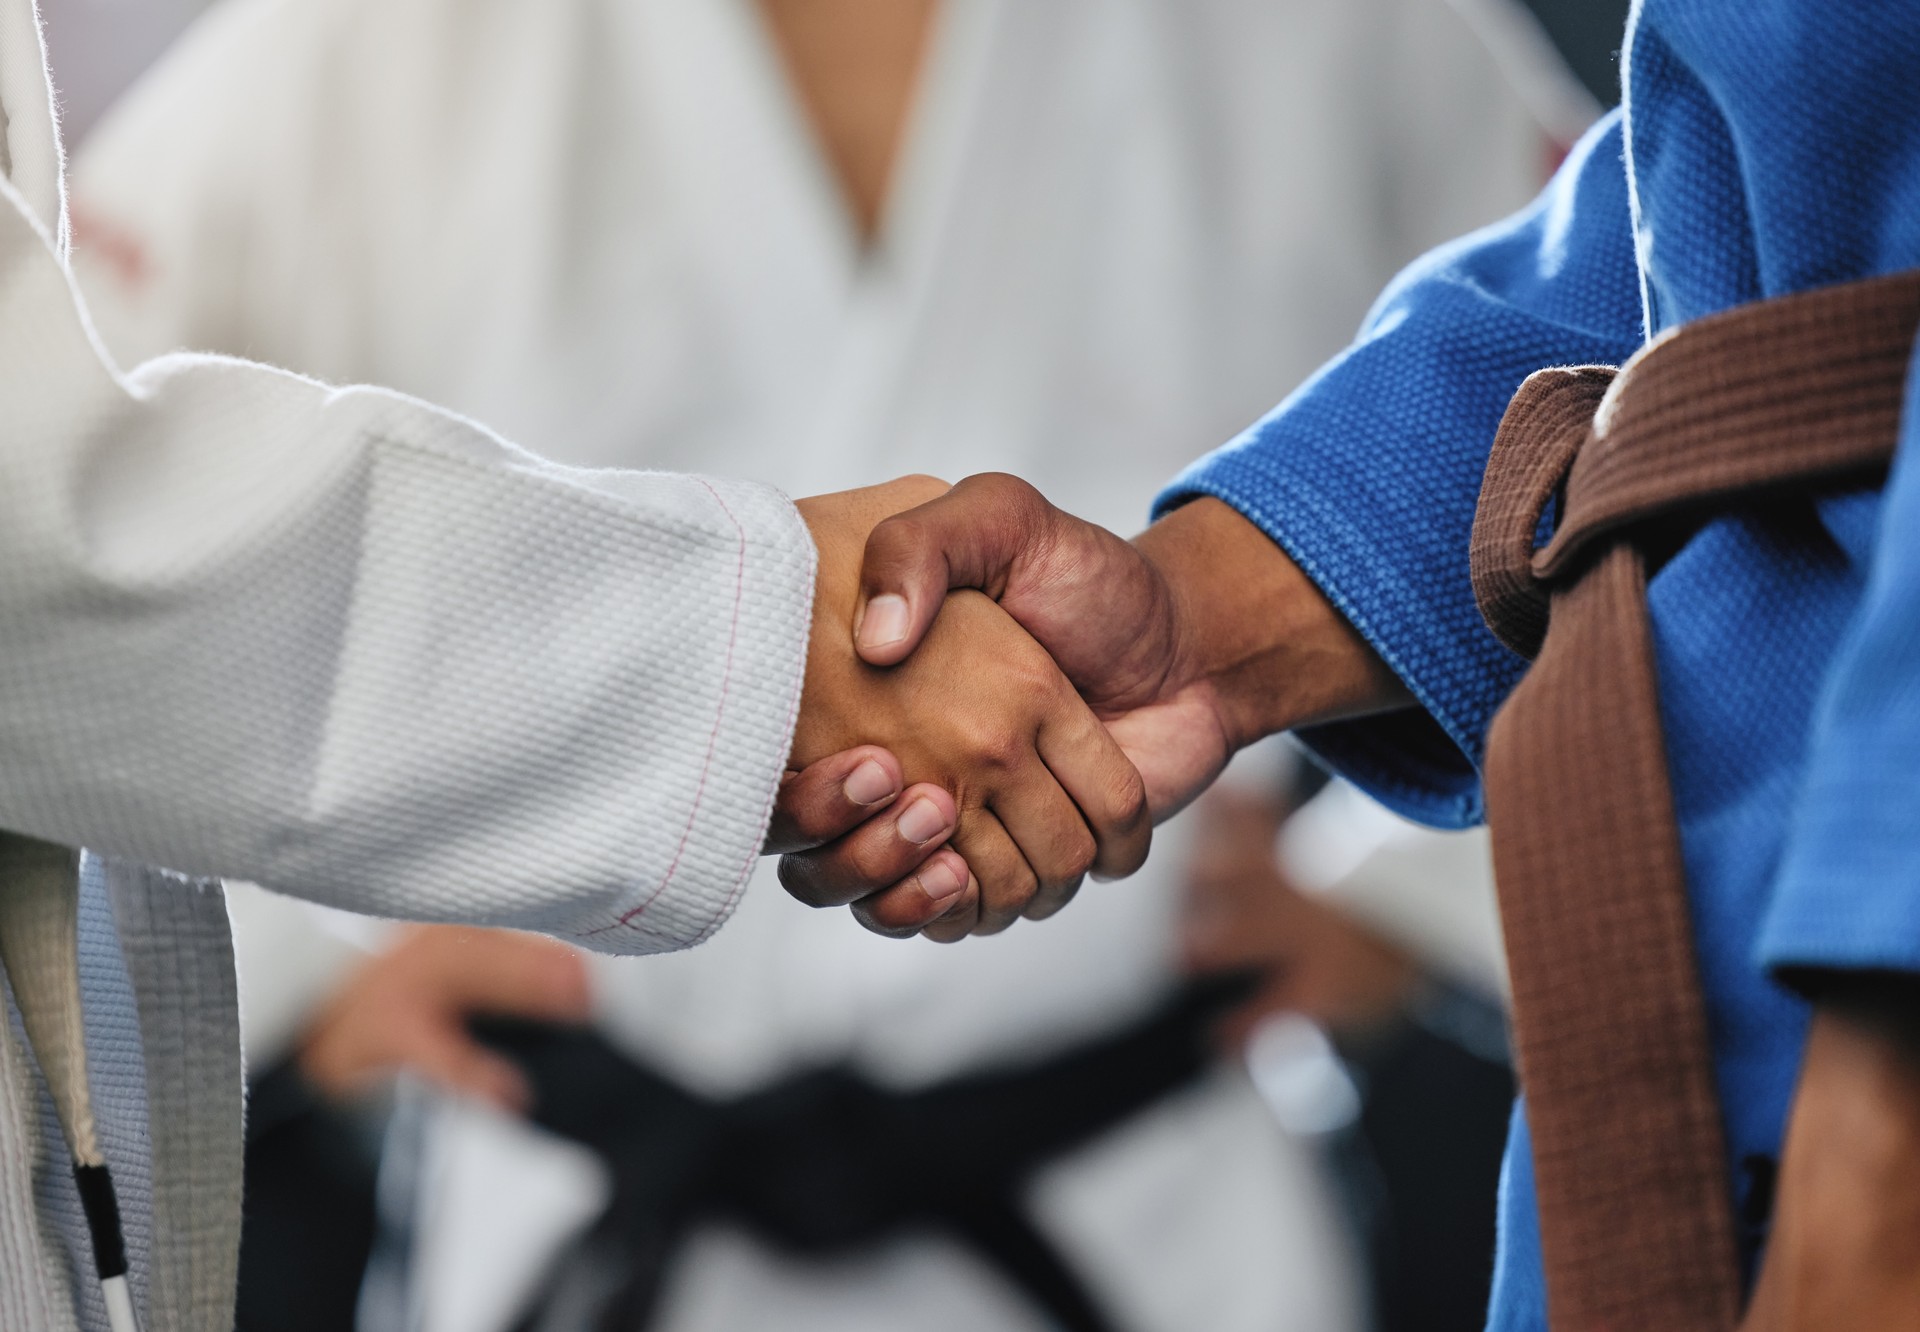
(1766, 147)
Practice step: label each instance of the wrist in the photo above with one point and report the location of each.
(839, 525)
(1845, 1223)
(1255, 635)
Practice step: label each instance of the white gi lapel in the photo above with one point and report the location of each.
(855, 422)
(754, 211)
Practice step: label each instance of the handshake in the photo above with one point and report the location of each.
(1001, 698)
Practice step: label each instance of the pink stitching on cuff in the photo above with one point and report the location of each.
(713, 739)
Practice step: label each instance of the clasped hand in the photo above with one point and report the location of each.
(1032, 790)
(1052, 689)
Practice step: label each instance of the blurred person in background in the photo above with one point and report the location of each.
(1378, 1027)
(100, 46)
(805, 241)
(324, 637)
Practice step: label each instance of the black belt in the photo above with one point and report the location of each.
(828, 1163)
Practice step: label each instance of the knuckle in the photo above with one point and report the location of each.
(1081, 857)
(1132, 796)
(898, 539)
(992, 744)
(1030, 674)
(1004, 487)
(1004, 903)
(1002, 750)
(1067, 873)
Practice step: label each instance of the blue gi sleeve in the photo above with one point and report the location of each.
(1369, 474)
(1848, 894)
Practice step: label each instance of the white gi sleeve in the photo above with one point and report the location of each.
(364, 652)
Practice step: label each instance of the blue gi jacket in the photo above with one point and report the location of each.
(1766, 146)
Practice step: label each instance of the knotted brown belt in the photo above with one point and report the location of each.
(1610, 1027)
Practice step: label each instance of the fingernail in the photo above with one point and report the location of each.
(869, 784)
(922, 822)
(883, 623)
(942, 882)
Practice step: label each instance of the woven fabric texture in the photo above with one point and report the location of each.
(1763, 150)
(350, 647)
(357, 650)
(1801, 393)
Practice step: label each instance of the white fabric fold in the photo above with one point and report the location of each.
(359, 650)
(350, 646)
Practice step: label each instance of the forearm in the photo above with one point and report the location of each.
(1846, 1221)
(353, 648)
(1256, 632)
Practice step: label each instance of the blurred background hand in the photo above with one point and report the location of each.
(1243, 913)
(407, 1010)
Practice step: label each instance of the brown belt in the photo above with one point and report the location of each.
(1610, 1027)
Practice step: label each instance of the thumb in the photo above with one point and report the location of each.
(972, 537)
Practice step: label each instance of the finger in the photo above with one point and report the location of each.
(1050, 836)
(961, 921)
(832, 798)
(876, 855)
(1007, 880)
(455, 1062)
(1102, 782)
(510, 974)
(1047, 903)
(969, 537)
(940, 888)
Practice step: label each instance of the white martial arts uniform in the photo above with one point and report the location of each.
(1118, 228)
(98, 47)
(344, 643)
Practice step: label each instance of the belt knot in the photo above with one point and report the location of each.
(1546, 426)
(1797, 394)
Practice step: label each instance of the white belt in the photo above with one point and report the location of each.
(40, 946)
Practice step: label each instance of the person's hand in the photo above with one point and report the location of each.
(851, 817)
(1846, 1213)
(407, 1010)
(1042, 792)
(1242, 913)
(1193, 640)
(1197, 638)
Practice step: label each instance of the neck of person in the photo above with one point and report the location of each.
(855, 66)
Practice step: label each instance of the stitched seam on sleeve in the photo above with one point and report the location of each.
(629, 917)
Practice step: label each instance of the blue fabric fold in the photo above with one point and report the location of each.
(1766, 147)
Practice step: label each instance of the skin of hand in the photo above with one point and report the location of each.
(1195, 639)
(1192, 641)
(856, 818)
(1044, 794)
(407, 1009)
(1241, 912)
(1844, 1251)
